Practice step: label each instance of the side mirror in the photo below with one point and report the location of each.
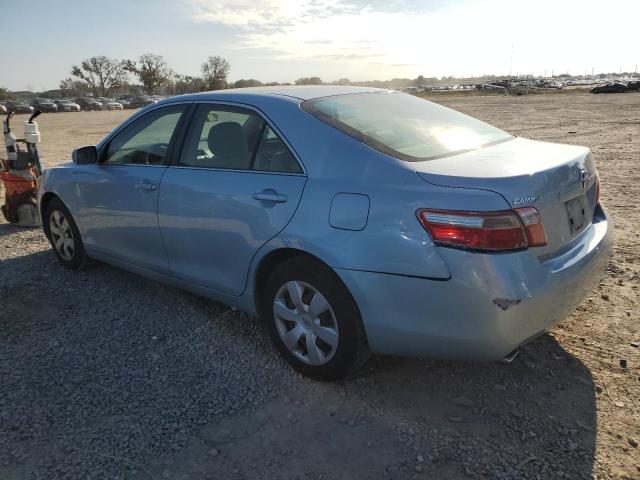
(85, 155)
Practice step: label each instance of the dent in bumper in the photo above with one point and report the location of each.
(458, 319)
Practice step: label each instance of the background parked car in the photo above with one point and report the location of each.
(110, 104)
(633, 85)
(141, 101)
(67, 105)
(615, 87)
(18, 106)
(44, 105)
(125, 101)
(88, 103)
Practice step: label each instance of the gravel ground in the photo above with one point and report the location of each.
(104, 374)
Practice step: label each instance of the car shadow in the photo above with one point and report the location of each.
(110, 373)
(10, 229)
(414, 418)
(533, 417)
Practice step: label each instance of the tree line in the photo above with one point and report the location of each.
(102, 76)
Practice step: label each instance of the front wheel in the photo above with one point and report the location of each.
(64, 236)
(313, 320)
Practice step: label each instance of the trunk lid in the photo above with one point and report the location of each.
(559, 180)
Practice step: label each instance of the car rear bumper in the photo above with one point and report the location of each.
(492, 304)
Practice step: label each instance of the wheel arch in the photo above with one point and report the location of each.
(273, 260)
(268, 264)
(44, 203)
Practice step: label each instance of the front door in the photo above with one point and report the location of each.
(119, 195)
(235, 187)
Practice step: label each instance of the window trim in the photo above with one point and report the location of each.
(103, 146)
(175, 160)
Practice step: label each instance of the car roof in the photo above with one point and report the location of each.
(300, 92)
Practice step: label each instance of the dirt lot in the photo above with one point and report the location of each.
(107, 375)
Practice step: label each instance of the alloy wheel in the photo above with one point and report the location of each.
(306, 322)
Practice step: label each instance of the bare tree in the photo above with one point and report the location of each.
(102, 74)
(214, 73)
(187, 84)
(309, 81)
(70, 87)
(152, 71)
(242, 83)
(5, 94)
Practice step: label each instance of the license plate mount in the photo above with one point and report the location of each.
(576, 213)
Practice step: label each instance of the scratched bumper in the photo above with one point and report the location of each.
(492, 304)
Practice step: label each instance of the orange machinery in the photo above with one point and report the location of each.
(19, 174)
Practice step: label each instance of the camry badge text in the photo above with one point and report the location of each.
(523, 200)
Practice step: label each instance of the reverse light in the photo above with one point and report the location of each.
(489, 231)
(536, 236)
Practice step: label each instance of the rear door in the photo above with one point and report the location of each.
(119, 195)
(236, 186)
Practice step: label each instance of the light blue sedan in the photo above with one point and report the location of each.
(351, 220)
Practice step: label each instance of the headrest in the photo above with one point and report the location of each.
(227, 139)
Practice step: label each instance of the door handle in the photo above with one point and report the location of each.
(146, 186)
(270, 196)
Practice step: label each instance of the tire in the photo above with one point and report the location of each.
(64, 236)
(328, 345)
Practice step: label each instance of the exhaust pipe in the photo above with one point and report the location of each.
(510, 357)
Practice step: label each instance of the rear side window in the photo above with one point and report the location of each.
(273, 155)
(226, 137)
(404, 126)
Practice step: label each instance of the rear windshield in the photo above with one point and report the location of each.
(404, 126)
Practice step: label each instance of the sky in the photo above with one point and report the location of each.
(273, 40)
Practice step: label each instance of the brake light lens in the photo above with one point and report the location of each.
(488, 231)
(536, 236)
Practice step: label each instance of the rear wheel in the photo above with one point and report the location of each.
(64, 236)
(313, 320)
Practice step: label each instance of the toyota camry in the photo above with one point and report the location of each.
(351, 220)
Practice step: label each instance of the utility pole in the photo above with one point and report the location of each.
(511, 63)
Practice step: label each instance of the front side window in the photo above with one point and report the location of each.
(146, 141)
(404, 126)
(234, 138)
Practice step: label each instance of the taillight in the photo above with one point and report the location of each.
(597, 189)
(490, 231)
(536, 236)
